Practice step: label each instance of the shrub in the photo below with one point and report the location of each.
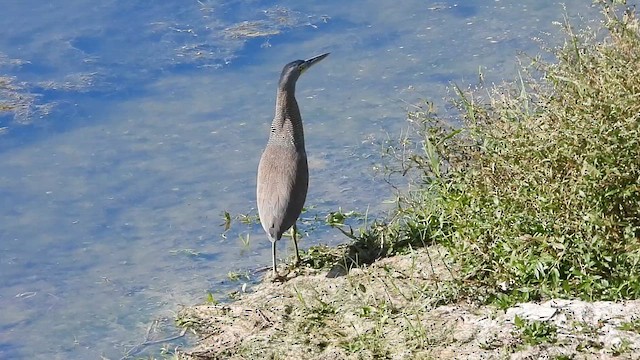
(538, 193)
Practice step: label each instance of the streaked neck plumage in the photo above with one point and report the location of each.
(286, 128)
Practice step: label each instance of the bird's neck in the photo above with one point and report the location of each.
(286, 128)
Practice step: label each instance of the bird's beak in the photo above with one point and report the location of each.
(314, 60)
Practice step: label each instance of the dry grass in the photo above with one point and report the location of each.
(365, 314)
(389, 311)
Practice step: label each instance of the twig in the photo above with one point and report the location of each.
(147, 341)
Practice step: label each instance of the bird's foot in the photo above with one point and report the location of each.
(279, 278)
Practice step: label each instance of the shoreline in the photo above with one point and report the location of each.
(388, 311)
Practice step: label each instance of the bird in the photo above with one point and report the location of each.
(283, 173)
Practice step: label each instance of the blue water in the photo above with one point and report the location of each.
(140, 122)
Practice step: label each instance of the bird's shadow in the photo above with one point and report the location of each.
(364, 249)
(360, 252)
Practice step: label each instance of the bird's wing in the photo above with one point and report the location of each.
(281, 189)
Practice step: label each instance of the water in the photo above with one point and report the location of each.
(140, 123)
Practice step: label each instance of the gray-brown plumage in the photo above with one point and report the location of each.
(283, 174)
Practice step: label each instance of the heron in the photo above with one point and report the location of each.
(283, 173)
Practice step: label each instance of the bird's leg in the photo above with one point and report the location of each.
(295, 242)
(276, 277)
(273, 253)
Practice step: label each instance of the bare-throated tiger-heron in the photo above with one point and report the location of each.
(283, 173)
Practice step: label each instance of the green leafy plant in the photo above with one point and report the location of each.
(624, 346)
(537, 194)
(535, 332)
(633, 325)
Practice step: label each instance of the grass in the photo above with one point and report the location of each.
(536, 195)
(535, 332)
(633, 325)
(360, 315)
(621, 348)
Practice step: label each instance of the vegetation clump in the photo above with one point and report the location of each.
(538, 194)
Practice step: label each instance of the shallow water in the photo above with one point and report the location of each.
(139, 125)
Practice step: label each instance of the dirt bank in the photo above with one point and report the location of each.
(397, 309)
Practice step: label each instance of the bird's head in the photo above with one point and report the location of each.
(292, 71)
